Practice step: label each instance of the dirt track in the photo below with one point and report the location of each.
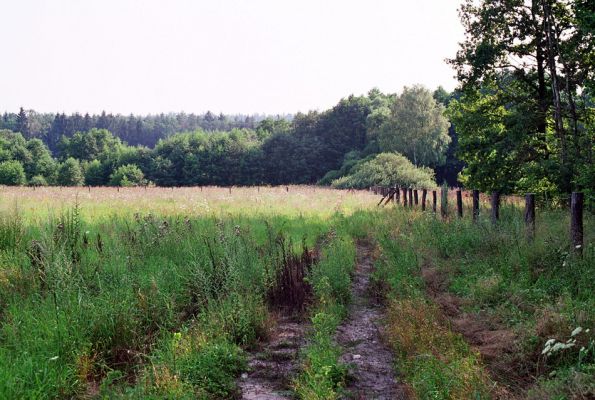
(370, 360)
(275, 364)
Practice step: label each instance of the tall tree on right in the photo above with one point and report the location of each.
(536, 59)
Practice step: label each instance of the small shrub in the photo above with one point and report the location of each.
(12, 173)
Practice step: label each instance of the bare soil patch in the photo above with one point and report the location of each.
(273, 365)
(360, 335)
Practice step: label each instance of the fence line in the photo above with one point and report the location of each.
(410, 198)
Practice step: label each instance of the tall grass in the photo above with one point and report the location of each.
(537, 289)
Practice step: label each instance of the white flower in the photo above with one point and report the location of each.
(576, 331)
(550, 342)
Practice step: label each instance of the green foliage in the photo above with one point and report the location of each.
(38, 180)
(94, 173)
(526, 126)
(96, 144)
(127, 175)
(323, 376)
(539, 290)
(70, 173)
(212, 368)
(12, 173)
(33, 155)
(416, 128)
(386, 169)
(190, 150)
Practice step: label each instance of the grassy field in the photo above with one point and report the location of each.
(160, 293)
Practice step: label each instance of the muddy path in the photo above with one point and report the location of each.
(275, 363)
(371, 362)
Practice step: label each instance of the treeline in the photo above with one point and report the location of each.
(522, 120)
(310, 147)
(134, 130)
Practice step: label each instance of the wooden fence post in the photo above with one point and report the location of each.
(410, 197)
(576, 221)
(405, 197)
(460, 203)
(434, 201)
(415, 198)
(424, 194)
(444, 202)
(495, 207)
(530, 216)
(475, 205)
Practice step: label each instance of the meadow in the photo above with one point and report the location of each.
(165, 293)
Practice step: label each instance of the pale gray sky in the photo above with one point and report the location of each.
(265, 56)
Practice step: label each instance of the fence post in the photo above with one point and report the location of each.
(424, 194)
(530, 216)
(495, 207)
(397, 194)
(434, 201)
(444, 202)
(576, 222)
(415, 198)
(475, 205)
(405, 197)
(410, 197)
(460, 203)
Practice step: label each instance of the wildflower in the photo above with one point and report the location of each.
(576, 331)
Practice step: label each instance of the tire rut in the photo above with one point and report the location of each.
(273, 365)
(371, 362)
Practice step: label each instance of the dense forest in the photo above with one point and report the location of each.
(134, 130)
(228, 151)
(522, 119)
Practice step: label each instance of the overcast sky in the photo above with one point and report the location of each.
(231, 56)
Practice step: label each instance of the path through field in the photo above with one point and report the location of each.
(371, 361)
(275, 364)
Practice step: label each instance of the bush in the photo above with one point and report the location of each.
(70, 173)
(38, 180)
(386, 169)
(12, 173)
(127, 175)
(95, 174)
